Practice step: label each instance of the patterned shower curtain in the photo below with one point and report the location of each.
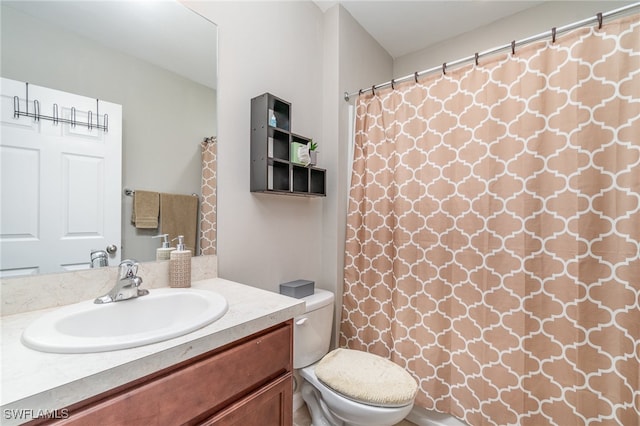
(208, 212)
(493, 235)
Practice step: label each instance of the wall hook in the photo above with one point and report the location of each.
(599, 15)
(36, 110)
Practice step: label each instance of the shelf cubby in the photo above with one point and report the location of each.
(282, 112)
(278, 176)
(317, 181)
(300, 179)
(278, 144)
(275, 167)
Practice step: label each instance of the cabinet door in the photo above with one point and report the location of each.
(197, 390)
(271, 405)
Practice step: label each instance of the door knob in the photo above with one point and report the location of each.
(112, 249)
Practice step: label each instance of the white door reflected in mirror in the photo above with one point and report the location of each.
(56, 180)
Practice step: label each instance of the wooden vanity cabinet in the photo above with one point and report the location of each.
(246, 383)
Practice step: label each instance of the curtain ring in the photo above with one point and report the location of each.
(599, 20)
(373, 89)
(553, 35)
(360, 92)
(393, 84)
(444, 68)
(415, 76)
(477, 56)
(513, 47)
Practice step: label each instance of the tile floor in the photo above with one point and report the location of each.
(301, 418)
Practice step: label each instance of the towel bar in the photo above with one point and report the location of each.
(130, 192)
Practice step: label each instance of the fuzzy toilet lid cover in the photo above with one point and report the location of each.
(366, 378)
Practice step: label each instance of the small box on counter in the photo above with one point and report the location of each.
(297, 288)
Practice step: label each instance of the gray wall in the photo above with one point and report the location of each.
(165, 116)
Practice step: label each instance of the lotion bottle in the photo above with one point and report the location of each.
(180, 265)
(163, 252)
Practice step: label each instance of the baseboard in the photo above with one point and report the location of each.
(423, 417)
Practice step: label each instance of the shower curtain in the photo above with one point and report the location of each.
(208, 212)
(493, 233)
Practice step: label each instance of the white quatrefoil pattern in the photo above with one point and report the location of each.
(208, 209)
(493, 233)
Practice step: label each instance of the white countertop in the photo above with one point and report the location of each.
(40, 381)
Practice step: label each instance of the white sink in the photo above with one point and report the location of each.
(88, 327)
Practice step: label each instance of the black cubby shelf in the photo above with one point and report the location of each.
(274, 164)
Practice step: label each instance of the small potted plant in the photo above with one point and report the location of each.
(313, 153)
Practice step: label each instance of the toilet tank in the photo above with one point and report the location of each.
(312, 331)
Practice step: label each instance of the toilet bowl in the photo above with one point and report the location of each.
(340, 410)
(335, 399)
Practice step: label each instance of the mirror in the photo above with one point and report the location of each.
(155, 58)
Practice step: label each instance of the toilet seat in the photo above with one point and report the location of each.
(366, 378)
(326, 405)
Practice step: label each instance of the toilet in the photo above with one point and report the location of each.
(345, 387)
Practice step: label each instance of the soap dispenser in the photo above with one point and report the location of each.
(273, 122)
(163, 252)
(180, 265)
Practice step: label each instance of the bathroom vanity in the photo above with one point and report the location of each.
(235, 371)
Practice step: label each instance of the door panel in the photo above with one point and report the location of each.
(60, 189)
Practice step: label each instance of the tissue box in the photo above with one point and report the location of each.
(295, 153)
(297, 288)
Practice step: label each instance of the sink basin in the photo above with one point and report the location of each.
(88, 327)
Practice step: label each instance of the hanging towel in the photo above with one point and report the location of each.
(146, 206)
(179, 216)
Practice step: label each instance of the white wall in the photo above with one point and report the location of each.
(293, 51)
(275, 47)
(527, 23)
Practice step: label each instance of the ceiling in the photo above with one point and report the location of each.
(164, 33)
(403, 27)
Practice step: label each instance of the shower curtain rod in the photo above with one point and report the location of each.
(553, 33)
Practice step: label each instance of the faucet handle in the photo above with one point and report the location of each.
(128, 268)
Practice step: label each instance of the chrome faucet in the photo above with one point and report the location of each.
(127, 286)
(99, 259)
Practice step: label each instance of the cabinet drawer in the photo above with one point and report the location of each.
(197, 390)
(271, 405)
